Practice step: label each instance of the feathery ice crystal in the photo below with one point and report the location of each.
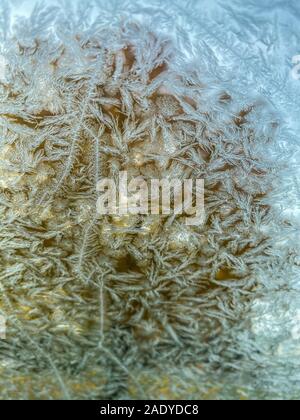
(133, 306)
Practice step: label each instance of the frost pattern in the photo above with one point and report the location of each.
(135, 307)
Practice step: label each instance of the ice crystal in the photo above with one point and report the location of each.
(111, 307)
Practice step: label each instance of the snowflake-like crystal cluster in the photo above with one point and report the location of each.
(139, 306)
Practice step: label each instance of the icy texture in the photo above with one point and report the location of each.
(140, 307)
